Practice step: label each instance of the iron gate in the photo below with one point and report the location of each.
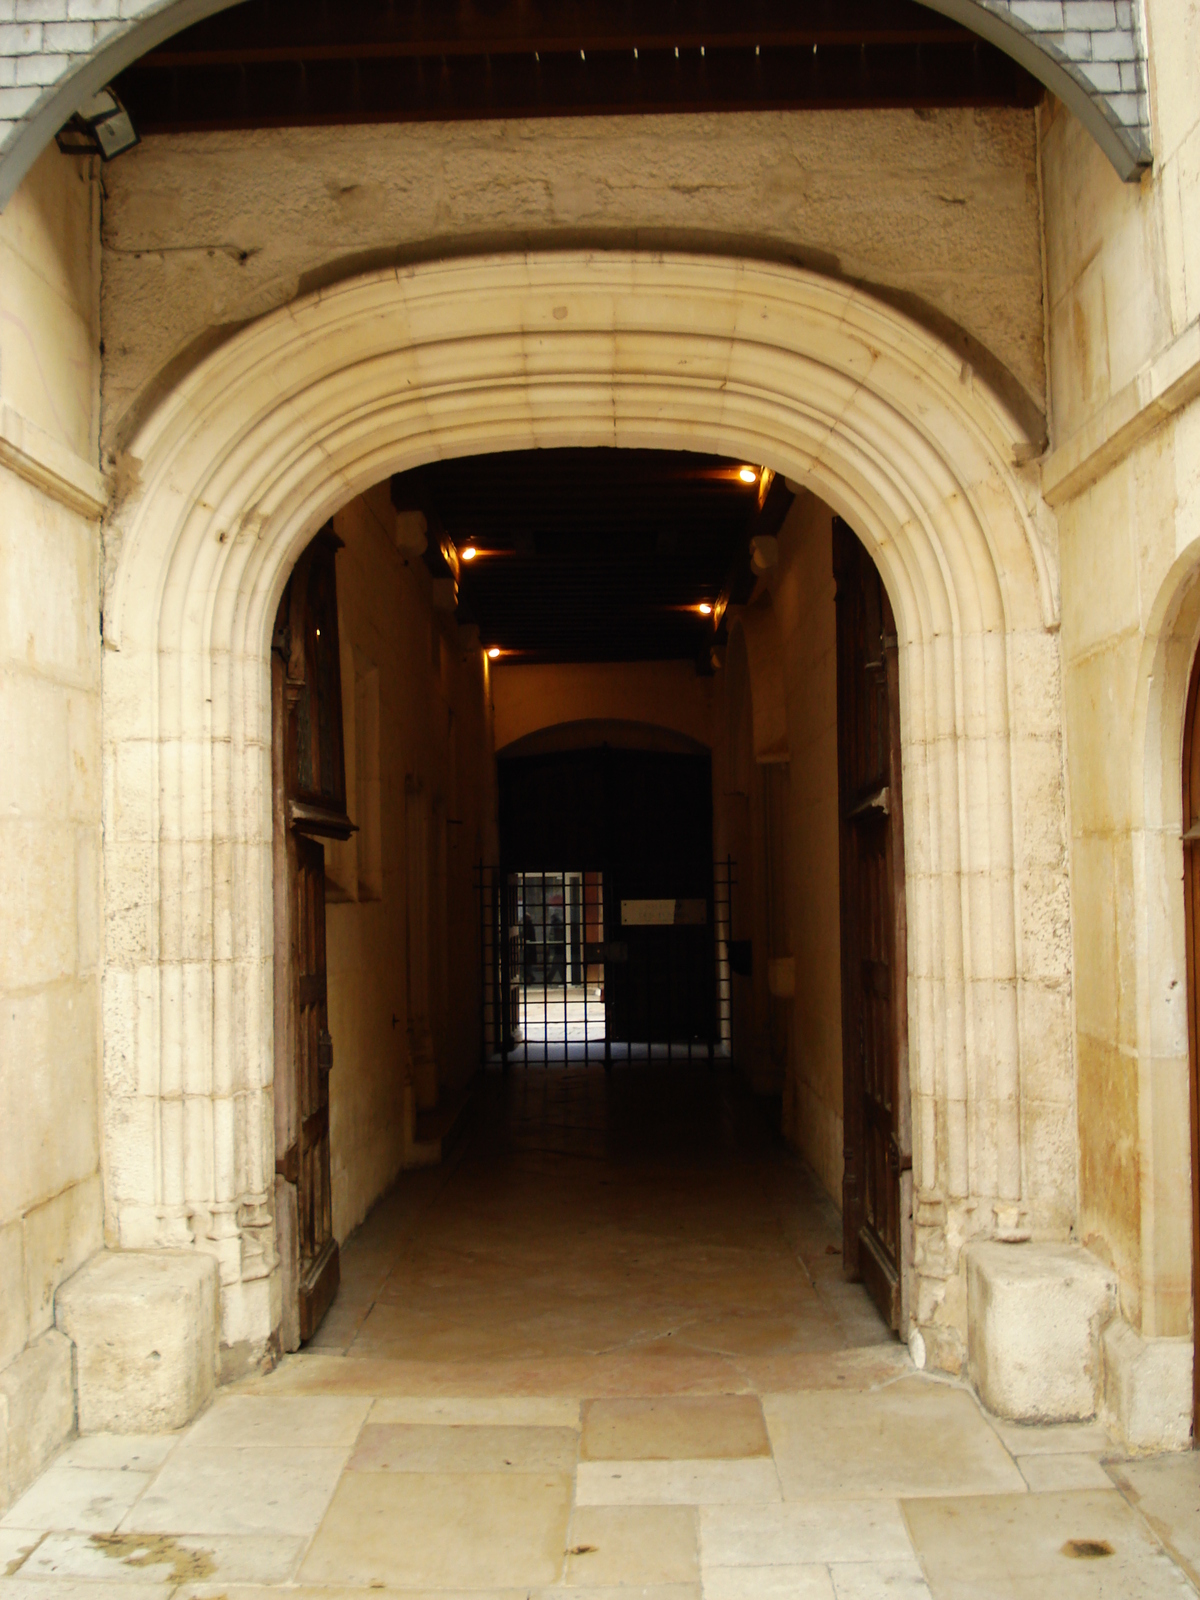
(578, 967)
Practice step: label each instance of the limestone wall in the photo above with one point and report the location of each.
(738, 824)
(1123, 282)
(937, 210)
(423, 741)
(51, 1203)
(802, 591)
(665, 694)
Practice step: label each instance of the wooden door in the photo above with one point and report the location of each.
(878, 1159)
(1191, 891)
(318, 1251)
(310, 804)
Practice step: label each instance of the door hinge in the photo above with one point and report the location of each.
(881, 800)
(287, 1166)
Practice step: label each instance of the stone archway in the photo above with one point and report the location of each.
(1159, 956)
(255, 448)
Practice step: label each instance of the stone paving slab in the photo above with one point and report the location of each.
(905, 1490)
(1166, 1490)
(652, 1471)
(1087, 1545)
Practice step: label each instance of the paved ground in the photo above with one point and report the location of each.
(605, 1352)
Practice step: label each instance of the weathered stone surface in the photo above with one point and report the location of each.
(1034, 1318)
(145, 1328)
(50, 1188)
(14, 1320)
(1147, 1402)
(37, 1411)
(939, 211)
(60, 1236)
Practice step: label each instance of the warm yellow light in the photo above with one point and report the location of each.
(469, 553)
(494, 651)
(704, 609)
(748, 475)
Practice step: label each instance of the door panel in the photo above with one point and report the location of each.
(318, 1275)
(874, 944)
(310, 804)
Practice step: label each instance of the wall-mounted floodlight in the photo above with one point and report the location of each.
(101, 126)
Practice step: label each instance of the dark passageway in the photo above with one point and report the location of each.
(647, 1227)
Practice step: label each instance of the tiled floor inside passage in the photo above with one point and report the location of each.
(605, 1350)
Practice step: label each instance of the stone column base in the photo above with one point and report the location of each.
(1147, 1389)
(1035, 1313)
(145, 1325)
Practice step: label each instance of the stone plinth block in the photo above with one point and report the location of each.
(1035, 1313)
(145, 1325)
(1147, 1389)
(37, 1411)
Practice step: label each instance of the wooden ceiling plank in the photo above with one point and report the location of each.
(329, 93)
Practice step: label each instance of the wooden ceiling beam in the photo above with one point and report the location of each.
(433, 49)
(413, 89)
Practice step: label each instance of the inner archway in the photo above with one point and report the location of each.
(254, 449)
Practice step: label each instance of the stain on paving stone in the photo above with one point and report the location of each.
(21, 1557)
(141, 1550)
(1087, 1549)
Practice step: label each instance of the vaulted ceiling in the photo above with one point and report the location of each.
(595, 555)
(291, 62)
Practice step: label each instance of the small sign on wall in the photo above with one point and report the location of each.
(664, 913)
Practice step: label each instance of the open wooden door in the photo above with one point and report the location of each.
(310, 804)
(1191, 892)
(878, 1150)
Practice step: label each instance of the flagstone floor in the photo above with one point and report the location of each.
(604, 1351)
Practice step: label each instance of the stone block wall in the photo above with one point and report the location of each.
(1123, 476)
(389, 627)
(51, 1203)
(803, 596)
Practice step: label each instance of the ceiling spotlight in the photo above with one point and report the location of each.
(704, 609)
(469, 553)
(494, 652)
(748, 475)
